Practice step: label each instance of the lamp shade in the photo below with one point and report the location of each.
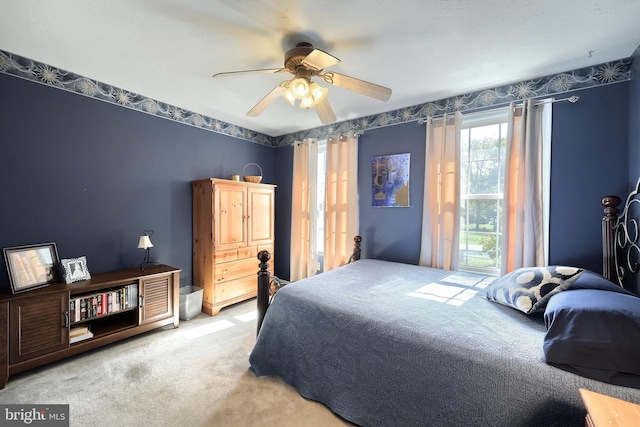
(317, 92)
(289, 96)
(306, 102)
(145, 242)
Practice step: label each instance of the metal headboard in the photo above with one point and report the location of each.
(620, 237)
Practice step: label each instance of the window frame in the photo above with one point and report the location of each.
(496, 116)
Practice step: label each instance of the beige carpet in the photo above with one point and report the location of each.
(196, 375)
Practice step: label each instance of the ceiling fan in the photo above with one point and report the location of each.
(304, 62)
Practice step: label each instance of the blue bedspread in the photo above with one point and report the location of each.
(390, 344)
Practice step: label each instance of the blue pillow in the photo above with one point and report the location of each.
(595, 333)
(528, 289)
(590, 280)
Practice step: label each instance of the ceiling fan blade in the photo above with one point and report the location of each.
(261, 71)
(267, 100)
(365, 88)
(318, 60)
(325, 112)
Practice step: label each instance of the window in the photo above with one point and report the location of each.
(483, 145)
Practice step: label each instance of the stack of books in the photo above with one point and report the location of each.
(79, 333)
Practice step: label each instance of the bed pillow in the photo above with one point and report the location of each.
(590, 280)
(595, 333)
(528, 289)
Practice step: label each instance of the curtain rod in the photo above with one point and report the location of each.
(572, 99)
(356, 134)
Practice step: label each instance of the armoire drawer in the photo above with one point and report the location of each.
(236, 269)
(226, 255)
(248, 252)
(235, 288)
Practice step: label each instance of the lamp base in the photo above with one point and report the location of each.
(146, 264)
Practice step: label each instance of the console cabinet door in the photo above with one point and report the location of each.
(38, 325)
(156, 299)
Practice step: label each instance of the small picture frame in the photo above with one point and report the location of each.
(75, 269)
(32, 266)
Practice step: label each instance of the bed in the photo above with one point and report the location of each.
(390, 344)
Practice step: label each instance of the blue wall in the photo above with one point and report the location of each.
(284, 168)
(582, 146)
(91, 176)
(392, 234)
(590, 147)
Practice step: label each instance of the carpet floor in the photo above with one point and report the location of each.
(195, 375)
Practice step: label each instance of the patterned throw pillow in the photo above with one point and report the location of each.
(528, 289)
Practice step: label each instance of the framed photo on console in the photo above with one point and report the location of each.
(75, 269)
(32, 266)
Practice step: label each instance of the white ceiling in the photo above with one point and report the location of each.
(424, 50)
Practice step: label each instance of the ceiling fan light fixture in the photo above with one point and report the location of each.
(302, 89)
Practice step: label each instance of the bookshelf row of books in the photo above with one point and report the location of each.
(101, 303)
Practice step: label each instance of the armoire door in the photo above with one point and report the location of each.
(260, 224)
(230, 211)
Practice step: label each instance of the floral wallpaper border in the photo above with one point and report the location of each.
(596, 75)
(42, 73)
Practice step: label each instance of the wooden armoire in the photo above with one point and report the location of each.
(232, 222)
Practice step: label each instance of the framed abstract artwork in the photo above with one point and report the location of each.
(390, 180)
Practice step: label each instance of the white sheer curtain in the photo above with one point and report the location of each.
(304, 204)
(439, 246)
(524, 194)
(341, 215)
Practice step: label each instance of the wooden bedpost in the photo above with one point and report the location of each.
(609, 270)
(264, 278)
(356, 249)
